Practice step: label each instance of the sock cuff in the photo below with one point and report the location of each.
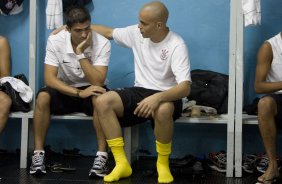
(115, 142)
(163, 149)
(39, 151)
(103, 153)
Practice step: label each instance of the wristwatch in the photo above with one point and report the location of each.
(80, 56)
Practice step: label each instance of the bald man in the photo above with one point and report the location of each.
(162, 79)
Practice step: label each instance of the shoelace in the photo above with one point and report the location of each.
(38, 159)
(264, 161)
(100, 161)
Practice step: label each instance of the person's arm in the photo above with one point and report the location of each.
(264, 60)
(107, 32)
(148, 105)
(51, 80)
(96, 75)
(103, 30)
(4, 57)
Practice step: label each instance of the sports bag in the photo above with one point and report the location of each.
(210, 88)
(17, 103)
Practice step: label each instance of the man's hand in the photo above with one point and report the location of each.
(147, 106)
(92, 91)
(56, 31)
(84, 44)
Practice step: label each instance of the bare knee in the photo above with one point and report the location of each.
(103, 103)
(43, 100)
(164, 112)
(6, 102)
(267, 108)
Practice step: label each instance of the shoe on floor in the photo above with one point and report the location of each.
(100, 167)
(263, 163)
(37, 164)
(249, 163)
(217, 161)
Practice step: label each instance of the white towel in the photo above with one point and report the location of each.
(54, 14)
(252, 13)
(24, 90)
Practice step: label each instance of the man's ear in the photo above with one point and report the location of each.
(159, 25)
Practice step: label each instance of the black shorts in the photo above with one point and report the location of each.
(131, 96)
(278, 99)
(63, 104)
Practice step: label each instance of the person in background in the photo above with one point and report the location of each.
(6, 101)
(268, 80)
(75, 69)
(162, 79)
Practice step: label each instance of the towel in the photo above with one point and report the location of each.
(252, 13)
(24, 90)
(54, 14)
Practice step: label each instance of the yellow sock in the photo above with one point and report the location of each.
(163, 162)
(122, 168)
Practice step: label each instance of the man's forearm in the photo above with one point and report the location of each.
(103, 30)
(180, 91)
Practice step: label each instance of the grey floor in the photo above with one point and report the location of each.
(143, 172)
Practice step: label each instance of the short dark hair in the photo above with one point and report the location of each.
(76, 14)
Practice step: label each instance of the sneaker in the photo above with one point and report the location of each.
(217, 161)
(249, 163)
(37, 164)
(100, 167)
(263, 163)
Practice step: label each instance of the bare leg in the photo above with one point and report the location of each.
(110, 108)
(267, 109)
(5, 106)
(41, 119)
(101, 139)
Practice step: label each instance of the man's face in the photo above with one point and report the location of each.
(79, 32)
(148, 28)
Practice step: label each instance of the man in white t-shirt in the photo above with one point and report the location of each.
(162, 79)
(268, 81)
(75, 69)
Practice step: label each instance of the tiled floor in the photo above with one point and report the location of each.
(143, 173)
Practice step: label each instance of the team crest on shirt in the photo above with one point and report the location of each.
(164, 54)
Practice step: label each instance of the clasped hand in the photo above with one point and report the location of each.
(92, 91)
(147, 106)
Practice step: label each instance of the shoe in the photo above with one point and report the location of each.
(249, 163)
(263, 163)
(37, 164)
(198, 168)
(217, 161)
(100, 167)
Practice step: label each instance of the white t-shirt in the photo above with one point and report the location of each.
(158, 66)
(275, 72)
(59, 53)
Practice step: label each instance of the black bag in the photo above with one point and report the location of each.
(17, 103)
(210, 88)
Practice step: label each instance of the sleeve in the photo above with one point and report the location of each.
(103, 58)
(51, 58)
(124, 36)
(181, 64)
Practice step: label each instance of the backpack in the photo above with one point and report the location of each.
(210, 88)
(17, 103)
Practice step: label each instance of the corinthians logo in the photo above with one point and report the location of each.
(164, 54)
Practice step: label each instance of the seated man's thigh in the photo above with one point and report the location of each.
(61, 103)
